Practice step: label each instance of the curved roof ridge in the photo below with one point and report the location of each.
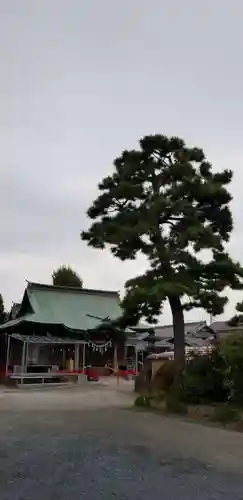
(93, 291)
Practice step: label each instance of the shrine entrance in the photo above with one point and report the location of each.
(99, 355)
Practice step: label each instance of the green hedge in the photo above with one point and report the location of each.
(203, 380)
(217, 377)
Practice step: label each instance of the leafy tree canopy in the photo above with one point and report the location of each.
(2, 310)
(164, 200)
(66, 276)
(237, 320)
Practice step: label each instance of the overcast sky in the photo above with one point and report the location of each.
(81, 80)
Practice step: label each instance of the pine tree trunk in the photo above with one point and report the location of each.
(179, 330)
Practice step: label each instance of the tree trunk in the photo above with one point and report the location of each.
(179, 330)
(115, 357)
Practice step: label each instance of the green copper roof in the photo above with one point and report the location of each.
(75, 308)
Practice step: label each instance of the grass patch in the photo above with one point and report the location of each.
(225, 414)
(173, 405)
(219, 415)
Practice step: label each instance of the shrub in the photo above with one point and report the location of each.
(225, 413)
(231, 351)
(203, 380)
(142, 401)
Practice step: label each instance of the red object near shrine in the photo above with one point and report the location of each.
(92, 375)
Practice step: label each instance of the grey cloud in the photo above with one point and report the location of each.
(80, 81)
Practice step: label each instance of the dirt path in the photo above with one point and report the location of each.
(211, 445)
(106, 393)
(79, 444)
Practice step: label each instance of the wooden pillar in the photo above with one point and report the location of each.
(136, 360)
(26, 356)
(76, 357)
(115, 362)
(7, 355)
(23, 361)
(84, 346)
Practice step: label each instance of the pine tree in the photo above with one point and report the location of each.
(237, 320)
(165, 201)
(66, 276)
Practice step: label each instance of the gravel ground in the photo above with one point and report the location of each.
(108, 452)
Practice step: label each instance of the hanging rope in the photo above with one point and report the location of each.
(101, 348)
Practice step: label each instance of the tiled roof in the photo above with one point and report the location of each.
(219, 326)
(166, 331)
(74, 308)
(196, 332)
(14, 310)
